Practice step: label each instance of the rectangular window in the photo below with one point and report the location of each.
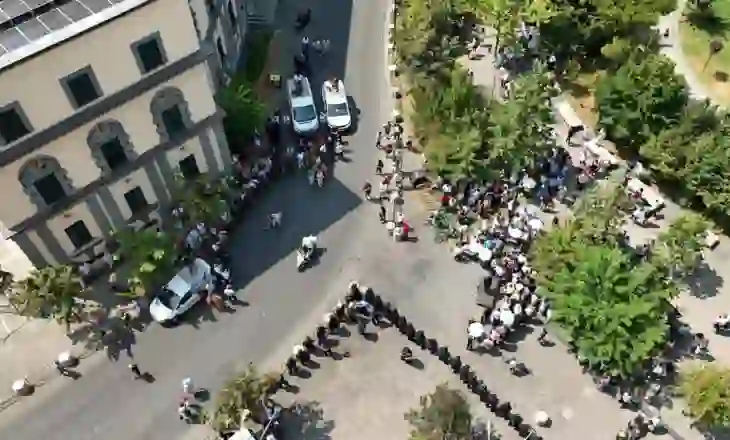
(173, 120)
(81, 87)
(114, 154)
(136, 200)
(232, 17)
(150, 54)
(189, 167)
(79, 234)
(50, 189)
(12, 126)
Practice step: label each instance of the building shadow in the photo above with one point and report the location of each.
(306, 211)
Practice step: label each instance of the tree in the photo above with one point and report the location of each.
(641, 99)
(615, 312)
(681, 245)
(581, 29)
(52, 292)
(706, 390)
(613, 307)
(202, 200)
(245, 113)
(505, 16)
(148, 254)
(443, 414)
(521, 129)
(243, 391)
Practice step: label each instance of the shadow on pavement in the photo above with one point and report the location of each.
(306, 210)
(305, 421)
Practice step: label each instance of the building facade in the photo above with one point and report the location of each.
(221, 24)
(102, 102)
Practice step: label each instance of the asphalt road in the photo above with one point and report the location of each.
(106, 403)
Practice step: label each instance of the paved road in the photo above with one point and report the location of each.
(106, 403)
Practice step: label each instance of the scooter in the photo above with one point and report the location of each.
(339, 151)
(304, 257)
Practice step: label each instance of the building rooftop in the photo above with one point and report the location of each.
(30, 26)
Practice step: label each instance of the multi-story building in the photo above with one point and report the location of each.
(101, 103)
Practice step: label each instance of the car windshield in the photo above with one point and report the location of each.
(305, 114)
(168, 298)
(337, 109)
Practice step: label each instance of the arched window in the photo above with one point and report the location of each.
(171, 113)
(110, 145)
(45, 181)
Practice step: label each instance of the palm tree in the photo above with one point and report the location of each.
(51, 292)
(243, 391)
(147, 254)
(245, 113)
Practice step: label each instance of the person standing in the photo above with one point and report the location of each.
(134, 368)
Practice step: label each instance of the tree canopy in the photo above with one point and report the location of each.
(442, 414)
(242, 391)
(640, 99)
(148, 254)
(706, 390)
(50, 292)
(245, 113)
(613, 305)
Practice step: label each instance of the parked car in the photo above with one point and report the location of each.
(182, 292)
(337, 110)
(304, 116)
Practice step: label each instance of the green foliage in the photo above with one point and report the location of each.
(244, 112)
(243, 391)
(613, 308)
(681, 245)
(443, 414)
(520, 129)
(641, 99)
(464, 133)
(202, 199)
(582, 29)
(51, 292)
(149, 255)
(706, 390)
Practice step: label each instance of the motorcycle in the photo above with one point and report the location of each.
(306, 252)
(339, 151)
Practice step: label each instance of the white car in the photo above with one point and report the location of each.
(337, 110)
(182, 292)
(305, 118)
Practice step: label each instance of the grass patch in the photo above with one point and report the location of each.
(258, 52)
(696, 31)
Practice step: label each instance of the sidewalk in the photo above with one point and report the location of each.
(672, 49)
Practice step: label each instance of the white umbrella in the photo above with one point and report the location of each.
(507, 318)
(476, 330)
(515, 233)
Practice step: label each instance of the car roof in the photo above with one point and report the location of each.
(335, 96)
(182, 281)
(305, 97)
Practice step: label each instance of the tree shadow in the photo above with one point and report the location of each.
(705, 282)
(707, 21)
(305, 420)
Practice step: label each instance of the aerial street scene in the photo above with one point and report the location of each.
(356, 220)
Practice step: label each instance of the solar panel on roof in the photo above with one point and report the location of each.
(14, 8)
(11, 39)
(75, 10)
(54, 20)
(33, 29)
(34, 4)
(96, 5)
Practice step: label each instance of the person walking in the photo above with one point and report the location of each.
(134, 368)
(381, 214)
